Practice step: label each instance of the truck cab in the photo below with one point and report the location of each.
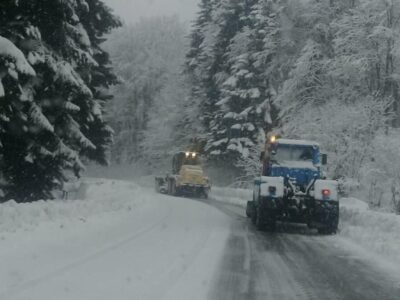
(187, 178)
(299, 161)
(293, 188)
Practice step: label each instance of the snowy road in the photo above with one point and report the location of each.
(168, 249)
(295, 263)
(175, 248)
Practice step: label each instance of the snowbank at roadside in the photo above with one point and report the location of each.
(237, 197)
(100, 196)
(377, 232)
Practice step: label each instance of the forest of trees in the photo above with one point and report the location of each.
(324, 70)
(150, 102)
(53, 80)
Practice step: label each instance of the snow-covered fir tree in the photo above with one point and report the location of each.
(289, 65)
(53, 75)
(232, 71)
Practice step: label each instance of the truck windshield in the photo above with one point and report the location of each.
(290, 153)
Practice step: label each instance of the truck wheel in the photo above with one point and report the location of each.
(269, 222)
(260, 222)
(332, 224)
(324, 231)
(265, 219)
(249, 209)
(171, 187)
(271, 225)
(253, 216)
(329, 230)
(204, 193)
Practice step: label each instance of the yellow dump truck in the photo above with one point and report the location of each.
(187, 178)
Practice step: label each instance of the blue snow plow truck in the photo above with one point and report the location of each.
(292, 188)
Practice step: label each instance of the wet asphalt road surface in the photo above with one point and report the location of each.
(294, 263)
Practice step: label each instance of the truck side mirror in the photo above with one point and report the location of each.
(262, 155)
(324, 159)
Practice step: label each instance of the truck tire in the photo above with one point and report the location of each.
(159, 182)
(260, 221)
(332, 223)
(271, 226)
(171, 187)
(205, 192)
(253, 216)
(265, 218)
(270, 222)
(327, 230)
(249, 209)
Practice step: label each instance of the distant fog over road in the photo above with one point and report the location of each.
(132, 10)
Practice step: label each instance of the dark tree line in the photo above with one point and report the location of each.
(53, 75)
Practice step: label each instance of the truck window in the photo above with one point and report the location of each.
(283, 153)
(290, 153)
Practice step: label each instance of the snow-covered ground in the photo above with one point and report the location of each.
(375, 232)
(101, 196)
(121, 242)
(238, 197)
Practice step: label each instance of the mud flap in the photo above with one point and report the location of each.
(266, 214)
(327, 216)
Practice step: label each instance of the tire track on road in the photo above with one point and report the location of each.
(14, 290)
(294, 263)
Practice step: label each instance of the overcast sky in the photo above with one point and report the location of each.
(132, 10)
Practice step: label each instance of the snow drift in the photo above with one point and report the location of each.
(237, 197)
(101, 196)
(374, 231)
(130, 244)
